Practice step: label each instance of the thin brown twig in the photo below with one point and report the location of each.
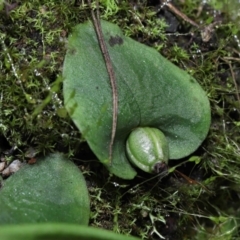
(111, 74)
(231, 59)
(234, 81)
(206, 31)
(173, 9)
(191, 181)
(228, 61)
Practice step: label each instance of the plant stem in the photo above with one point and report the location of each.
(111, 74)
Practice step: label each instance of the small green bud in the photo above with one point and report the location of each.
(147, 148)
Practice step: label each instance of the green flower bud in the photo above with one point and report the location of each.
(147, 148)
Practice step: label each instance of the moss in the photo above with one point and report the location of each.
(202, 203)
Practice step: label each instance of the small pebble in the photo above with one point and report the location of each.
(12, 168)
(2, 166)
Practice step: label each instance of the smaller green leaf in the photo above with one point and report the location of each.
(58, 231)
(52, 190)
(172, 169)
(195, 159)
(218, 220)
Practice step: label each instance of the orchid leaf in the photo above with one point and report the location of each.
(58, 231)
(51, 190)
(152, 92)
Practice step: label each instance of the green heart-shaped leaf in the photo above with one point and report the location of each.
(152, 92)
(52, 190)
